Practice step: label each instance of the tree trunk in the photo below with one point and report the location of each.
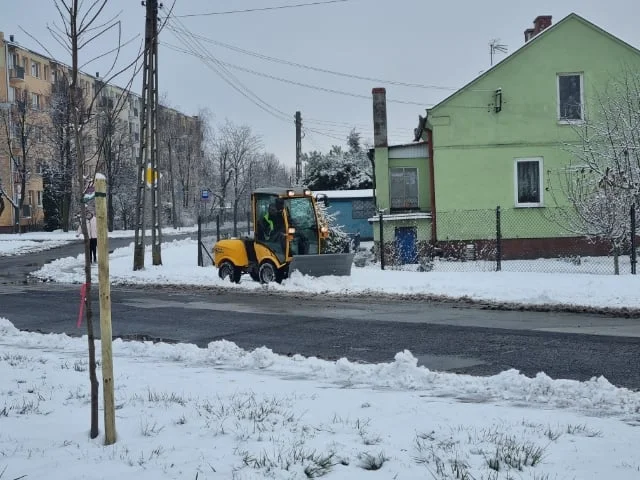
(235, 217)
(110, 215)
(616, 259)
(77, 130)
(68, 181)
(174, 216)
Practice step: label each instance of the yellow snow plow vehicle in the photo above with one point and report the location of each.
(288, 235)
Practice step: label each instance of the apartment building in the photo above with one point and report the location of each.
(28, 82)
(25, 90)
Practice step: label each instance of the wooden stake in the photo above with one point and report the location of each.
(105, 310)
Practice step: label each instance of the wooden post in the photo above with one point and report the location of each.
(105, 310)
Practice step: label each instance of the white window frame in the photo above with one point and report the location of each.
(566, 121)
(540, 161)
(35, 101)
(35, 68)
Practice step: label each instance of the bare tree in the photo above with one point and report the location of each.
(22, 126)
(221, 171)
(124, 196)
(116, 144)
(181, 159)
(239, 149)
(81, 25)
(602, 181)
(58, 176)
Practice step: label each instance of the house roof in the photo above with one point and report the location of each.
(528, 44)
(363, 193)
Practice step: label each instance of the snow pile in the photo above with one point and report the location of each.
(538, 289)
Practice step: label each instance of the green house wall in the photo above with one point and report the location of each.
(475, 148)
(384, 164)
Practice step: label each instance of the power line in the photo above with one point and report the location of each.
(184, 36)
(261, 9)
(191, 43)
(300, 84)
(323, 70)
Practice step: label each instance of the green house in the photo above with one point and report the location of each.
(499, 141)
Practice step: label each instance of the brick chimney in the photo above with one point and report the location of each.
(539, 24)
(379, 117)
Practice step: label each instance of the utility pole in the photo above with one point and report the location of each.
(298, 148)
(148, 160)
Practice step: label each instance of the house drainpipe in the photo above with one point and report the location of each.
(432, 179)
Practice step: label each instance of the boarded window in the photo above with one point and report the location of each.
(403, 188)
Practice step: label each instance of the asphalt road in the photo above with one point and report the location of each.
(443, 336)
(16, 268)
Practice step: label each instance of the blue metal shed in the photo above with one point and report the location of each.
(353, 208)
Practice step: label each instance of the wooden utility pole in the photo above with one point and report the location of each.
(105, 310)
(298, 148)
(148, 160)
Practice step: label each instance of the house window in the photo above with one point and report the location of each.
(403, 188)
(35, 101)
(25, 64)
(46, 73)
(528, 182)
(16, 131)
(35, 69)
(39, 197)
(362, 209)
(12, 94)
(570, 97)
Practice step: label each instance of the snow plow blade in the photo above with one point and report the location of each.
(338, 264)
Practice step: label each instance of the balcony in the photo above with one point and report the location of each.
(16, 74)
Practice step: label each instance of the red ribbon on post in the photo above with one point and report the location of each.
(83, 300)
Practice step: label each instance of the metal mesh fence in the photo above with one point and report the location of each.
(514, 240)
(537, 240)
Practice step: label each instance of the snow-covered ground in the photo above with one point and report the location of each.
(19, 244)
(222, 412)
(180, 259)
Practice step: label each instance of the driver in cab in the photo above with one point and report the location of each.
(272, 225)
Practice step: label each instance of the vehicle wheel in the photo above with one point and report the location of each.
(268, 273)
(255, 276)
(228, 270)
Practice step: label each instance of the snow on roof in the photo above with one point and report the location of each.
(364, 193)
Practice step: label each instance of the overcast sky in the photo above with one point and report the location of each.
(414, 41)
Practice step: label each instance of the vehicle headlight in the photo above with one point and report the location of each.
(291, 193)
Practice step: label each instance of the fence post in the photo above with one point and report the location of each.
(200, 262)
(381, 242)
(498, 240)
(634, 253)
(218, 227)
